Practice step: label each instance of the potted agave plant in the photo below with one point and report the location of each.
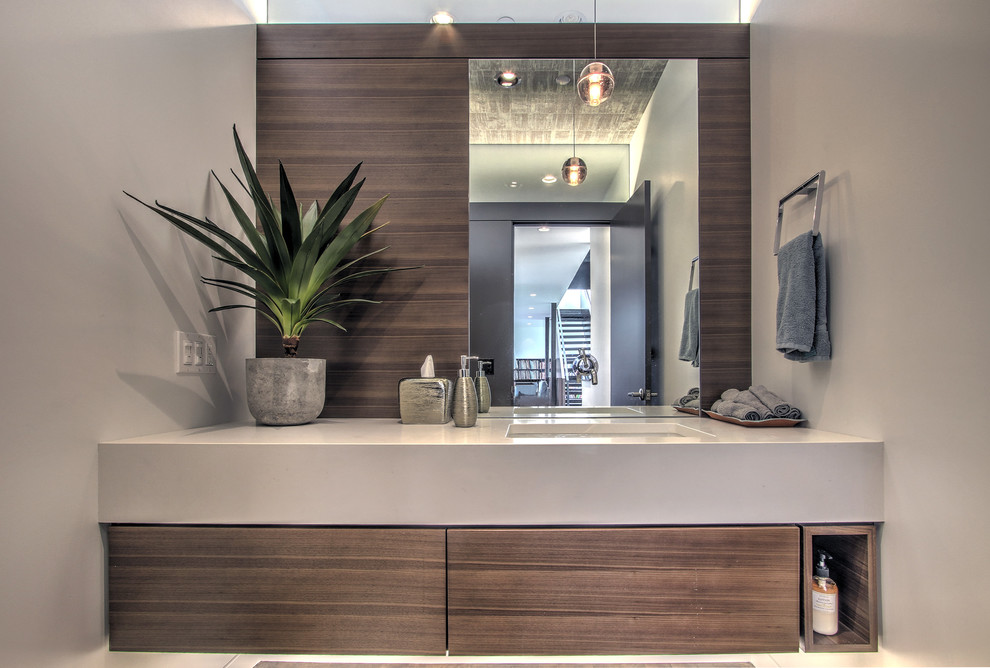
(296, 261)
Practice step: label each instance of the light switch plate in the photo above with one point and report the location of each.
(195, 353)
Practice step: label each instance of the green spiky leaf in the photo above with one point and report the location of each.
(294, 257)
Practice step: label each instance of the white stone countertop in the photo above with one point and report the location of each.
(382, 472)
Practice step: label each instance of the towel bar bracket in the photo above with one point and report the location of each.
(816, 185)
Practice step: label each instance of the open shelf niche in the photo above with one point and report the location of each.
(854, 569)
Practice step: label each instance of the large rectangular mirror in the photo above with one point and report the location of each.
(580, 293)
(332, 95)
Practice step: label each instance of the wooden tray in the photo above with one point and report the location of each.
(686, 409)
(772, 422)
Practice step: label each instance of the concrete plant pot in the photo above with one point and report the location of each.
(286, 390)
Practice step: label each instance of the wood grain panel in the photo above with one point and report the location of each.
(517, 40)
(623, 591)
(276, 589)
(320, 118)
(684, 40)
(724, 216)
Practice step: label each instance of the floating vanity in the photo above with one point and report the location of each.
(526, 536)
(381, 472)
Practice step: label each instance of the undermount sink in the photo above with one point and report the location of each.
(633, 432)
(568, 410)
(582, 412)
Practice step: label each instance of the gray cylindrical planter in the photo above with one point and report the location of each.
(286, 390)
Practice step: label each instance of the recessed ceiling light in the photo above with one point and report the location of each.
(563, 79)
(512, 184)
(532, 308)
(549, 178)
(543, 228)
(529, 316)
(442, 18)
(532, 294)
(507, 79)
(570, 16)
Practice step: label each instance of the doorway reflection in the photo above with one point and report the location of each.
(561, 312)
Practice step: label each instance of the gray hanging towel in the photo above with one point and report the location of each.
(802, 300)
(690, 350)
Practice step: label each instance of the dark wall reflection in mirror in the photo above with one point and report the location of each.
(540, 251)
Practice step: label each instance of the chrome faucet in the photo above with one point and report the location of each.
(585, 366)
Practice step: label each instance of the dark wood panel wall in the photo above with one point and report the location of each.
(407, 120)
(724, 213)
(395, 97)
(505, 40)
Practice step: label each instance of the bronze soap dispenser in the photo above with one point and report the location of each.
(465, 410)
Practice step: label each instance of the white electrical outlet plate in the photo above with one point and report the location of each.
(195, 353)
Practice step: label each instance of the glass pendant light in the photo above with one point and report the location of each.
(596, 83)
(574, 170)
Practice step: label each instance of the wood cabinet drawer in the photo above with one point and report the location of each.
(623, 590)
(277, 589)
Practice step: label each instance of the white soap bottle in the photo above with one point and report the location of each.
(824, 598)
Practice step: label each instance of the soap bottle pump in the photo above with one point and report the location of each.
(465, 410)
(483, 389)
(824, 598)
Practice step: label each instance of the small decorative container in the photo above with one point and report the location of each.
(425, 400)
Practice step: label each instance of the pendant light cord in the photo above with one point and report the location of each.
(574, 113)
(596, 28)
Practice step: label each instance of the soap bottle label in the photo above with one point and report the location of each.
(823, 602)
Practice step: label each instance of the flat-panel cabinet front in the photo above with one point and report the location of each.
(277, 589)
(665, 590)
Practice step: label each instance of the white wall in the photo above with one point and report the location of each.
(664, 150)
(99, 96)
(891, 98)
